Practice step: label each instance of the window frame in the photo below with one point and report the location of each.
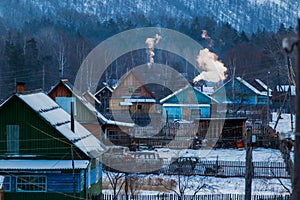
(31, 183)
(7, 183)
(13, 139)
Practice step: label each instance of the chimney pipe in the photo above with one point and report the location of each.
(72, 117)
(20, 87)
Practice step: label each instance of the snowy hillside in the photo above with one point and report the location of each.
(247, 15)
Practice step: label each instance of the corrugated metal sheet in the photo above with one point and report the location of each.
(42, 164)
(60, 119)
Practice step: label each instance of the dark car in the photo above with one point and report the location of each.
(183, 165)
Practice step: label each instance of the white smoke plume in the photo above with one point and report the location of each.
(213, 69)
(150, 47)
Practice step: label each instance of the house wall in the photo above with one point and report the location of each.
(82, 114)
(59, 185)
(36, 136)
(186, 113)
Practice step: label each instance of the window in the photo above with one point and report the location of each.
(31, 184)
(130, 90)
(113, 135)
(7, 183)
(12, 132)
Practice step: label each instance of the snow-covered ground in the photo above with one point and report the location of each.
(222, 185)
(259, 154)
(228, 185)
(284, 126)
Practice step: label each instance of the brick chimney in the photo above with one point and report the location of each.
(20, 88)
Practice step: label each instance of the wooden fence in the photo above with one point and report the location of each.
(235, 169)
(197, 197)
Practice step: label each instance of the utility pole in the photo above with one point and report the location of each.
(249, 166)
(288, 45)
(233, 90)
(268, 99)
(296, 178)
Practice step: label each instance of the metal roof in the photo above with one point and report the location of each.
(60, 120)
(42, 164)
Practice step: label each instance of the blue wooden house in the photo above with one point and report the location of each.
(187, 103)
(41, 158)
(239, 92)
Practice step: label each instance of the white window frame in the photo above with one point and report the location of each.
(42, 185)
(13, 136)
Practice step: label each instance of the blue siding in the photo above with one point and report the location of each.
(176, 112)
(62, 183)
(173, 113)
(56, 182)
(65, 103)
(93, 175)
(205, 112)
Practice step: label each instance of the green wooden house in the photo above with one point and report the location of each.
(41, 158)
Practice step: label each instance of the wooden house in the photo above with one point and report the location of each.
(187, 103)
(103, 95)
(242, 98)
(131, 100)
(41, 157)
(87, 115)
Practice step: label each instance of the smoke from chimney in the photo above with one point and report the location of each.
(150, 48)
(213, 69)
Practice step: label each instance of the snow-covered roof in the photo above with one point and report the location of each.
(185, 105)
(208, 90)
(143, 100)
(60, 120)
(12, 164)
(91, 107)
(107, 87)
(256, 91)
(93, 96)
(263, 85)
(285, 88)
(181, 90)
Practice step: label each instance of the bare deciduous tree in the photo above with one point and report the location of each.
(116, 181)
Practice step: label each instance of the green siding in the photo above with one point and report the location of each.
(83, 114)
(37, 136)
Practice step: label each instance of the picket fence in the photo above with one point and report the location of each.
(197, 197)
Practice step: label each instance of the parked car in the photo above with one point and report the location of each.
(183, 165)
